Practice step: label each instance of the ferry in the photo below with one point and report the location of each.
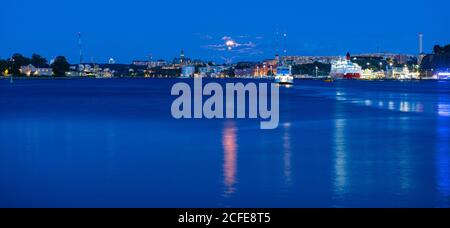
(345, 69)
(284, 75)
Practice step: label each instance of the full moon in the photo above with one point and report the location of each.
(230, 44)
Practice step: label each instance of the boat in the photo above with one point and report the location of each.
(328, 80)
(345, 69)
(284, 75)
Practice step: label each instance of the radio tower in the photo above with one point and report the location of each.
(81, 53)
(421, 53)
(80, 47)
(420, 43)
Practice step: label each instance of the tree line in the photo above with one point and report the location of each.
(12, 65)
(439, 60)
(441, 50)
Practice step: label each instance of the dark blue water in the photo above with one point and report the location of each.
(113, 143)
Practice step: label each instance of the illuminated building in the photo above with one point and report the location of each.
(182, 60)
(443, 75)
(149, 64)
(298, 60)
(30, 70)
(244, 72)
(140, 63)
(211, 71)
(402, 73)
(187, 71)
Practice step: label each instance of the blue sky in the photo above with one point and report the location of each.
(135, 29)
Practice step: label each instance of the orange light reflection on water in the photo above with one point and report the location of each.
(229, 142)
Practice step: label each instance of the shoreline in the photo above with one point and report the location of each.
(244, 78)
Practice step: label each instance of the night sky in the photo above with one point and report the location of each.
(133, 29)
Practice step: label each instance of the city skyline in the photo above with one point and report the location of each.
(222, 31)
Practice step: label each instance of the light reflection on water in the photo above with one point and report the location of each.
(403, 159)
(443, 155)
(287, 154)
(341, 148)
(340, 158)
(229, 142)
(401, 104)
(444, 109)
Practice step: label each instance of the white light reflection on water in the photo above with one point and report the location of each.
(392, 105)
(287, 154)
(340, 159)
(340, 96)
(444, 109)
(402, 103)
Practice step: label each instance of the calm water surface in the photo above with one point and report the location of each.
(113, 143)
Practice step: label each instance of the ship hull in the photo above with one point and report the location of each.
(345, 69)
(284, 80)
(346, 75)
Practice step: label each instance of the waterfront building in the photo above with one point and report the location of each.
(211, 71)
(267, 68)
(182, 60)
(105, 73)
(157, 63)
(43, 71)
(140, 63)
(149, 64)
(402, 73)
(401, 59)
(187, 71)
(73, 71)
(443, 75)
(298, 60)
(264, 70)
(30, 70)
(245, 72)
(369, 74)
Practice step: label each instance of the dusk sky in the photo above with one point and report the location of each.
(133, 29)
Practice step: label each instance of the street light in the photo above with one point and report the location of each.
(11, 80)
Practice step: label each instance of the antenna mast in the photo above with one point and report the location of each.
(80, 48)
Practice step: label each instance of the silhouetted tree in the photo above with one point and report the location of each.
(4, 65)
(437, 49)
(447, 49)
(38, 61)
(310, 68)
(439, 60)
(18, 60)
(60, 66)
